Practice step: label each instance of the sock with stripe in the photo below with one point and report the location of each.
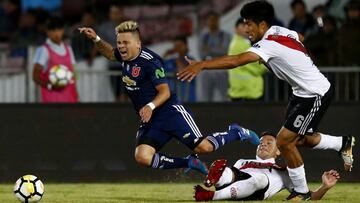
(162, 161)
(297, 176)
(219, 139)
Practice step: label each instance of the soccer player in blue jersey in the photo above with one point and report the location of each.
(162, 116)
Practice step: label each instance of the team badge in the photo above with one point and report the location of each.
(135, 71)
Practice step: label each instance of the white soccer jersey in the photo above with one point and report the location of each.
(284, 54)
(278, 179)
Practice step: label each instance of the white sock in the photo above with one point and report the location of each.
(225, 178)
(329, 142)
(242, 188)
(297, 176)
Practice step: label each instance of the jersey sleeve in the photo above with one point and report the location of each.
(157, 73)
(41, 56)
(264, 49)
(239, 163)
(117, 55)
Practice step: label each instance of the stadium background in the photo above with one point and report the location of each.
(95, 141)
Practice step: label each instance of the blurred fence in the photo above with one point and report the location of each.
(344, 80)
(16, 85)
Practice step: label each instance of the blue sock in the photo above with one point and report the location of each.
(219, 139)
(161, 161)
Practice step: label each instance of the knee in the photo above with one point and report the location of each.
(204, 147)
(283, 143)
(143, 159)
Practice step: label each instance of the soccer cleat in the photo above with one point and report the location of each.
(245, 134)
(202, 194)
(346, 152)
(215, 171)
(196, 164)
(297, 196)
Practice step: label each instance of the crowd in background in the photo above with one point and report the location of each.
(330, 40)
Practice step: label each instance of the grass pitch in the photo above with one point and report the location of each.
(153, 192)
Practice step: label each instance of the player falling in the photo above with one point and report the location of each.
(281, 50)
(162, 116)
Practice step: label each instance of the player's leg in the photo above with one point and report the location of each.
(342, 144)
(183, 126)
(149, 142)
(300, 112)
(287, 141)
(241, 189)
(234, 133)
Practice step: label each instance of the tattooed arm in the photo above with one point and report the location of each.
(102, 46)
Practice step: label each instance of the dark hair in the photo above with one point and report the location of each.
(330, 19)
(258, 11)
(213, 13)
(295, 2)
(319, 7)
(181, 38)
(239, 21)
(54, 23)
(269, 133)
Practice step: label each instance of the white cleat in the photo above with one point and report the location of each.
(347, 154)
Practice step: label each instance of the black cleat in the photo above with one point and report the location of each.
(297, 196)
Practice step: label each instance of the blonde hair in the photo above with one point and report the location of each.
(127, 26)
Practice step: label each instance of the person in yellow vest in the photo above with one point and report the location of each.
(245, 83)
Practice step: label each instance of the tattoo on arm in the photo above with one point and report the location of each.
(105, 49)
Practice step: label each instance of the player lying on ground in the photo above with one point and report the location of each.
(162, 116)
(255, 179)
(281, 50)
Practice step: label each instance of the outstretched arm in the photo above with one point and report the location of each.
(329, 179)
(224, 62)
(102, 46)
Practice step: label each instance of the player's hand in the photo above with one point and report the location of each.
(189, 73)
(89, 32)
(145, 114)
(329, 178)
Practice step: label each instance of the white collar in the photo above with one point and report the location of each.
(271, 160)
(51, 43)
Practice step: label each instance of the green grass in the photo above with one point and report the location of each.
(153, 192)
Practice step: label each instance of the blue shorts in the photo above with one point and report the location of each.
(174, 122)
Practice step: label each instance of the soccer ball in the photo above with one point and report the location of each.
(29, 188)
(60, 76)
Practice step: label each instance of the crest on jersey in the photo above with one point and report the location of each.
(135, 71)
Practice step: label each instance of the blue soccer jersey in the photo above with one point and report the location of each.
(141, 75)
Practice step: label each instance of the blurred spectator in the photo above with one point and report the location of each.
(50, 6)
(322, 44)
(302, 22)
(25, 35)
(9, 17)
(213, 43)
(107, 28)
(246, 82)
(85, 49)
(278, 22)
(92, 87)
(174, 62)
(54, 52)
(318, 13)
(106, 31)
(349, 36)
(336, 8)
